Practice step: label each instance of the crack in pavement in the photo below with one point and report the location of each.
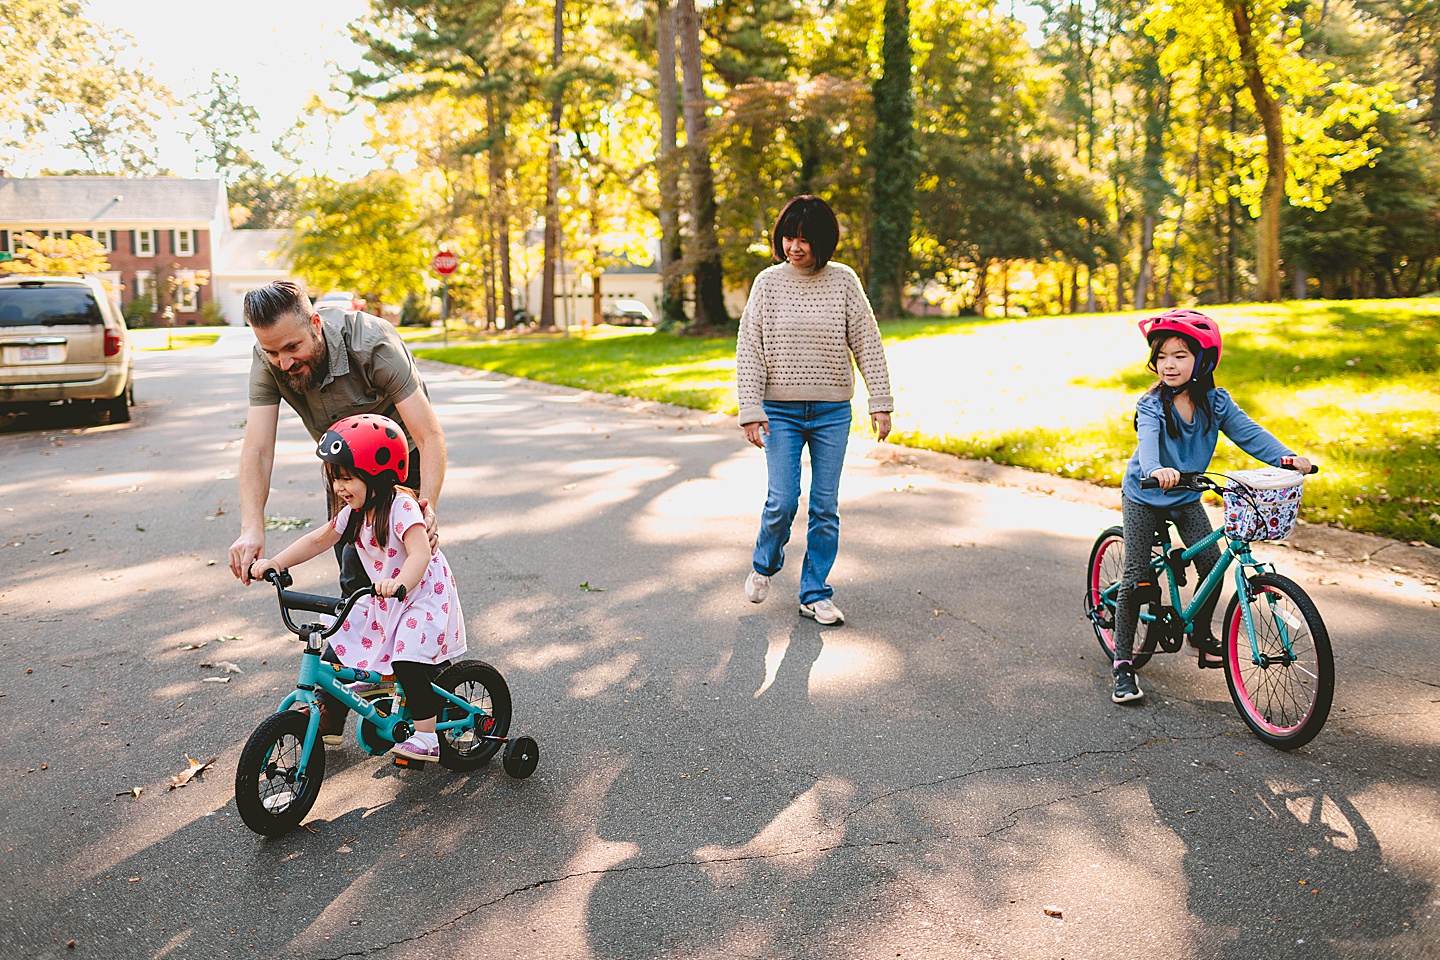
(539, 884)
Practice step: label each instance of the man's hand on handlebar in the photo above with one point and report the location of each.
(243, 552)
(1167, 477)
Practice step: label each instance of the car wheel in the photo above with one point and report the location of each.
(119, 408)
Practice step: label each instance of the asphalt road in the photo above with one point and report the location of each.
(717, 779)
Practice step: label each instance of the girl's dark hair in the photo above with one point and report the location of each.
(1197, 389)
(809, 218)
(377, 504)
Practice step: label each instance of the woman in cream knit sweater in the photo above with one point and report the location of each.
(805, 319)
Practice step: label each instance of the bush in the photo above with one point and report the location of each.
(416, 312)
(139, 312)
(211, 315)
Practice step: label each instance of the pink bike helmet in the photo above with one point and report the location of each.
(372, 445)
(1193, 324)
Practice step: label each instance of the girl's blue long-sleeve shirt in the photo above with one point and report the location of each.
(1195, 447)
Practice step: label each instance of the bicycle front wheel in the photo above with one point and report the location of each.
(1284, 687)
(1107, 565)
(270, 792)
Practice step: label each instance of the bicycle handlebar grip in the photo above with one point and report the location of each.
(1290, 462)
(400, 593)
(1149, 483)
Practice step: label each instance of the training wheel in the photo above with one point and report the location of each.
(521, 756)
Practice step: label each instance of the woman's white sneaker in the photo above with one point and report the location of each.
(822, 611)
(757, 587)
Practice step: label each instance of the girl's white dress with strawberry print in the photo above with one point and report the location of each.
(426, 627)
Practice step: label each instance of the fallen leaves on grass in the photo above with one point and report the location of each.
(196, 769)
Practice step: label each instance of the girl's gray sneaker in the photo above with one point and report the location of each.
(1126, 687)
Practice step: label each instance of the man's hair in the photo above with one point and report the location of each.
(267, 304)
(812, 219)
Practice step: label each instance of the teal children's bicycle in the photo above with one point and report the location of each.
(1273, 645)
(283, 763)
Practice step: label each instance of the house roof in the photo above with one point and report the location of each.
(252, 252)
(109, 201)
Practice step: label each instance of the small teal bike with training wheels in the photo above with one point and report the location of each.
(1273, 644)
(283, 763)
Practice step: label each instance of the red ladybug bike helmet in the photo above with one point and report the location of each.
(1193, 324)
(373, 446)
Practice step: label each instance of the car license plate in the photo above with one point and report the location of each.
(35, 354)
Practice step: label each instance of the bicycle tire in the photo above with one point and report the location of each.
(1107, 564)
(266, 792)
(1284, 702)
(479, 684)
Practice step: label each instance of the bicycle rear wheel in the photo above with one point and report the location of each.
(1283, 695)
(1107, 565)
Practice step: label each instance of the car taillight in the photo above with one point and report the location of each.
(112, 342)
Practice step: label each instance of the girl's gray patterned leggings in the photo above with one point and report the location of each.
(1142, 523)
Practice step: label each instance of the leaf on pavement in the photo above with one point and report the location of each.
(216, 680)
(589, 589)
(286, 523)
(195, 646)
(225, 666)
(223, 637)
(133, 792)
(196, 768)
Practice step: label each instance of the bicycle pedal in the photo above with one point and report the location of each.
(401, 761)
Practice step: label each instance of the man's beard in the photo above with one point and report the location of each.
(313, 373)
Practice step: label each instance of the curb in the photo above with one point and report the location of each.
(1345, 546)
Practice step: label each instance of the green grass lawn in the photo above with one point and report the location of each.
(1352, 384)
(175, 340)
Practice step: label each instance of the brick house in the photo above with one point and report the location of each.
(165, 237)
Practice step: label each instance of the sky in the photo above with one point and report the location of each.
(278, 49)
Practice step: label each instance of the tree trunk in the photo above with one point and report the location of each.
(1272, 198)
(1147, 246)
(552, 176)
(500, 209)
(892, 152)
(710, 312)
(672, 281)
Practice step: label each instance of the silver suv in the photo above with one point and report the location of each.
(63, 340)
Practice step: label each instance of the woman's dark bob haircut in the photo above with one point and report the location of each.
(809, 218)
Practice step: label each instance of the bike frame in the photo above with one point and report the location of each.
(1236, 552)
(333, 678)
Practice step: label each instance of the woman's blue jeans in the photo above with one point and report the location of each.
(825, 426)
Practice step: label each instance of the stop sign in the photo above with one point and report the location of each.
(445, 262)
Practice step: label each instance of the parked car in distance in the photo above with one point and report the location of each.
(628, 313)
(63, 341)
(342, 299)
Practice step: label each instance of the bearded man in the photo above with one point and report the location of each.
(327, 368)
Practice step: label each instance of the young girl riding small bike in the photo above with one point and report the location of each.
(1178, 422)
(415, 633)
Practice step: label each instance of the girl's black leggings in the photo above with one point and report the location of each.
(416, 678)
(1142, 524)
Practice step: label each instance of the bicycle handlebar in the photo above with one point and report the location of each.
(1201, 482)
(339, 608)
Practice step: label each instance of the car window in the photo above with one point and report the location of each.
(48, 306)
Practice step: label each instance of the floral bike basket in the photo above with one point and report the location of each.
(1262, 504)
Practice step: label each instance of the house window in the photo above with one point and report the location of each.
(184, 243)
(105, 239)
(187, 294)
(143, 287)
(144, 243)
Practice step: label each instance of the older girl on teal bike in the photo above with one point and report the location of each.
(1178, 422)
